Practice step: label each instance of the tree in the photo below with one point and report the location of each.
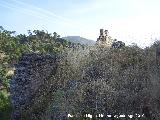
(118, 44)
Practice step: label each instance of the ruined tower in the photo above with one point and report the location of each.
(104, 40)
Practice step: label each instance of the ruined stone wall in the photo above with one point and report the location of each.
(30, 83)
(104, 40)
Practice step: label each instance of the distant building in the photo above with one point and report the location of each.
(104, 39)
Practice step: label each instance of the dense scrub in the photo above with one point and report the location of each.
(12, 47)
(108, 81)
(93, 80)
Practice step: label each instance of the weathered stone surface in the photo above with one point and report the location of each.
(104, 40)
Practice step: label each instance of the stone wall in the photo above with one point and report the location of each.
(104, 40)
(30, 82)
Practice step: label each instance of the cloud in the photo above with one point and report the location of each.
(42, 11)
(139, 29)
(88, 7)
(42, 14)
(34, 11)
(22, 10)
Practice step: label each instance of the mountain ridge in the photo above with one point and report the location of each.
(79, 39)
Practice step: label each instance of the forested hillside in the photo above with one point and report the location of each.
(87, 80)
(12, 46)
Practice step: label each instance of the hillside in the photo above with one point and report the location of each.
(53, 78)
(78, 39)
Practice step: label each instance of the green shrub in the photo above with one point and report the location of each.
(5, 105)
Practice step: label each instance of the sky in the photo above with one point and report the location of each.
(131, 21)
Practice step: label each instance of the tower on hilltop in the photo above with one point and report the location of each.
(104, 39)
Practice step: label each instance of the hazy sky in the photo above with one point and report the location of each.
(127, 20)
